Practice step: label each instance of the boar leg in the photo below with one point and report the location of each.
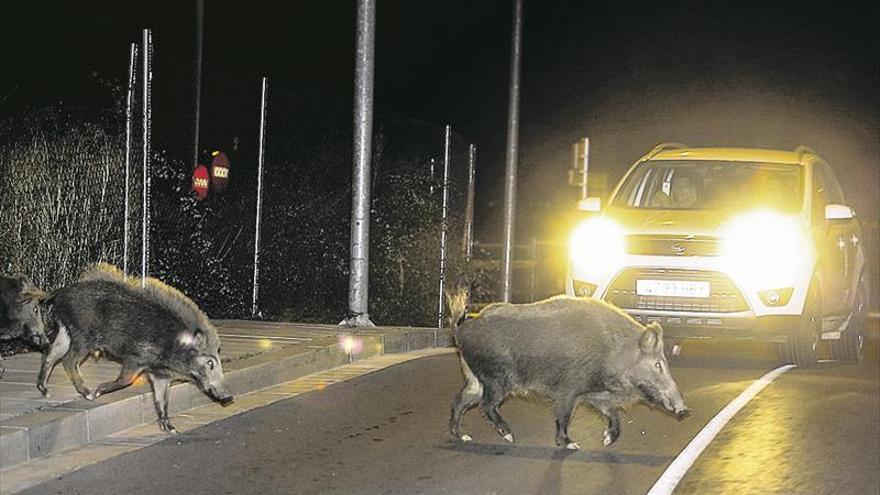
(564, 411)
(161, 389)
(71, 364)
(129, 372)
(602, 402)
(468, 397)
(493, 397)
(56, 351)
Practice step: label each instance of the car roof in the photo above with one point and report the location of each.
(800, 156)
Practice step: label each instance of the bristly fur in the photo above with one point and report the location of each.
(157, 291)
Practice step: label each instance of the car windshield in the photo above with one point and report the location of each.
(710, 185)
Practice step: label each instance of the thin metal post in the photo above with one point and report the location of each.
(358, 282)
(200, 24)
(259, 196)
(431, 182)
(468, 240)
(132, 55)
(584, 192)
(512, 145)
(444, 224)
(145, 218)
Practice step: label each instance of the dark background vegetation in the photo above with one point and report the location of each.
(626, 74)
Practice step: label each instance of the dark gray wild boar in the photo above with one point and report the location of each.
(154, 330)
(566, 349)
(20, 313)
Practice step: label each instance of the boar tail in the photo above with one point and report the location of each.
(457, 300)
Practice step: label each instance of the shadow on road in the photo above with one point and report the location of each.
(555, 454)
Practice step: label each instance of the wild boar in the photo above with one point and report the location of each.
(566, 349)
(20, 311)
(154, 330)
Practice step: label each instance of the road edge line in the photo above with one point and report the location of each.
(670, 478)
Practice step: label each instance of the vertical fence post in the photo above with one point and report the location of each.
(431, 182)
(512, 145)
(132, 55)
(444, 225)
(145, 218)
(584, 191)
(468, 239)
(262, 148)
(358, 281)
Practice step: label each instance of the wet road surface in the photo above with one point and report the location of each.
(811, 431)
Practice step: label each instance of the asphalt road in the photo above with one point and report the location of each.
(811, 431)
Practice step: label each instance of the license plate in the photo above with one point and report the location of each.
(673, 288)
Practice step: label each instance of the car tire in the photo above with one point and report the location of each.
(850, 346)
(803, 343)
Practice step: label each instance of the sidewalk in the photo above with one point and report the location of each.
(255, 355)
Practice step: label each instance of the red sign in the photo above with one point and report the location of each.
(200, 182)
(219, 171)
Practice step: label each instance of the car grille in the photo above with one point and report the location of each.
(660, 245)
(724, 297)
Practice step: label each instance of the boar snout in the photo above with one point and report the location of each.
(220, 395)
(682, 413)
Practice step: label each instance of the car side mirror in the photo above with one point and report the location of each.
(590, 204)
(839, 212)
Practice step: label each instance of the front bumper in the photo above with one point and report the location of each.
(749, 319)
(738, 326)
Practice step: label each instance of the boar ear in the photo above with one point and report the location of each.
(656, 327)
(35, 295)
(200, 338)
(195, 339)
(649, 339)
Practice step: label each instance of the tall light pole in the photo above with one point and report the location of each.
(512, 145)
(200, 23)
(359, 281)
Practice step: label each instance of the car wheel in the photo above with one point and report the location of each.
(803, 343)
(851, 345)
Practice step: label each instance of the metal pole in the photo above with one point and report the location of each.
(586, 167)
(443, 224)
(512, 143)
(358, 282)
(259, 195)
(469, 209)
(132, 55)
(200, 23)
(145, 218)
(431, 182)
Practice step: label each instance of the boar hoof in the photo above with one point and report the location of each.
(572, 446)
(166, 426)
(509, 437)
(610, 437)
(466, 438)
(92, 395)
(43, 390)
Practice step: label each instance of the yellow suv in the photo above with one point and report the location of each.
(732, 243)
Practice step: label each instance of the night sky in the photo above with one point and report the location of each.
(627, 74)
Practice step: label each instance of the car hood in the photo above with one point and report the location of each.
(671, 222)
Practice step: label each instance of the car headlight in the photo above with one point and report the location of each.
(595, 248)
(766, 250)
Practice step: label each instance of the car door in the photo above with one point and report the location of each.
(831, 241)
(852, 237)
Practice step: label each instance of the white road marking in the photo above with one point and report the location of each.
(679, 467)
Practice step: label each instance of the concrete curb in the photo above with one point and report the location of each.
(73, 424)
